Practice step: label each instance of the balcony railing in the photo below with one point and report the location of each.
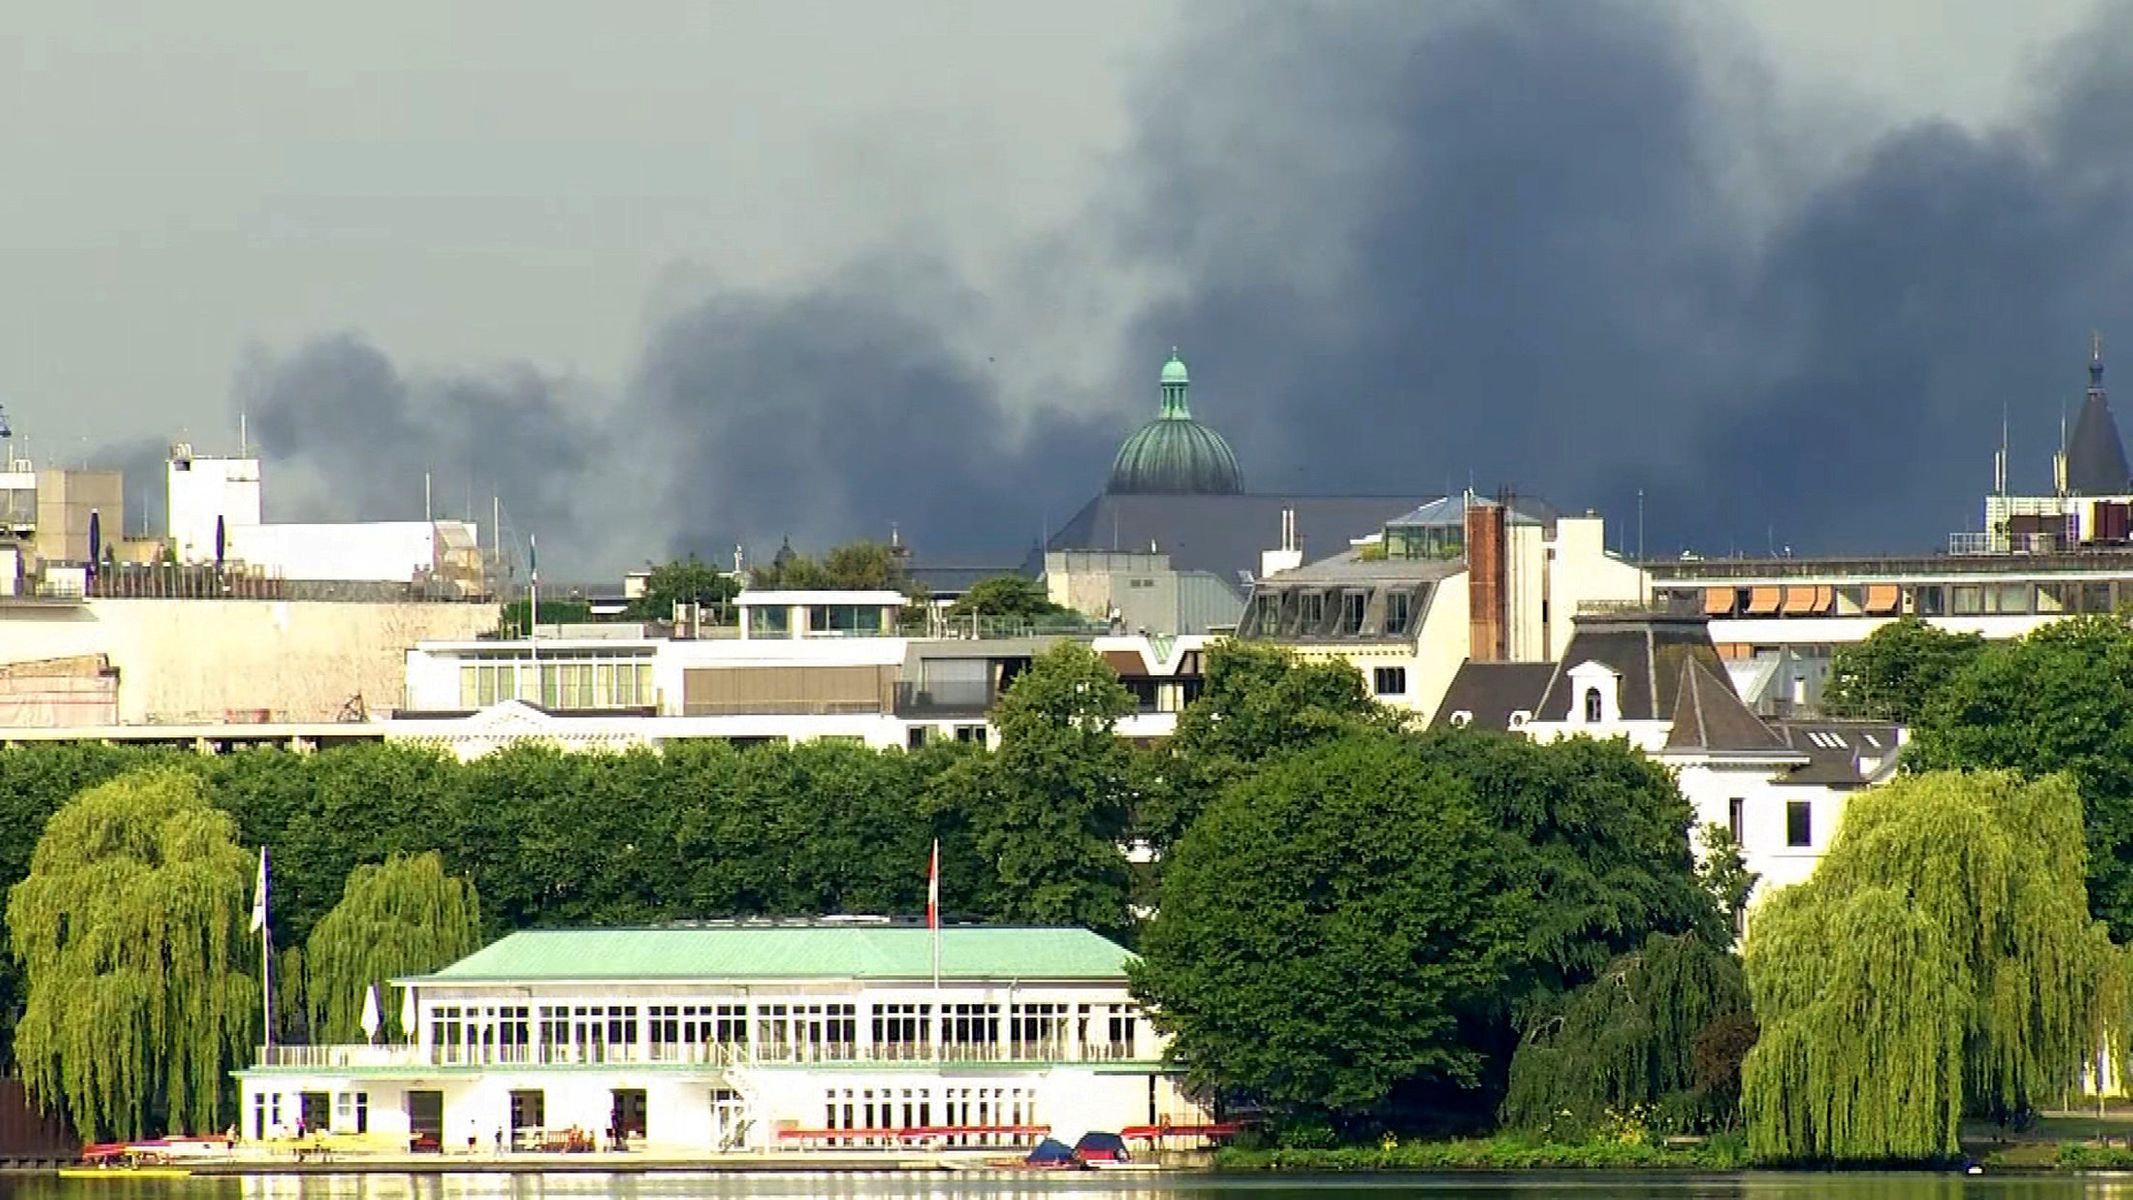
(707, 1054)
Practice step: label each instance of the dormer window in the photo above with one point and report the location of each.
(1596, 694)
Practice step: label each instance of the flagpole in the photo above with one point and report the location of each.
(266, 956)
(933, 919)
(533, 616)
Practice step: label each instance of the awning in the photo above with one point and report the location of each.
(1883, 599)
(1763, 601)
(1806, 601)
(1718, 602)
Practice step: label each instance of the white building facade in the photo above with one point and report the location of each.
(801, 666)
(1655, 681)
(753, 1036)
(1459, 579)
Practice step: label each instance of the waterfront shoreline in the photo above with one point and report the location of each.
(983, 1163)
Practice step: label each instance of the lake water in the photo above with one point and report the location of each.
(1578, 1186)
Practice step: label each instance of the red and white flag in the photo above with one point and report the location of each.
(933, 888)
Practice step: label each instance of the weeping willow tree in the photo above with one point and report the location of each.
(1940, 961)
(1627, 1040)
(403, 917)
(132, 931)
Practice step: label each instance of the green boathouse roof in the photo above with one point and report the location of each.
(764, 951)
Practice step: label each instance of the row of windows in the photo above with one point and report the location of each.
(1923, 600)
(558, 683)
(962, 1108)
(1332, 612)
(773, 1024)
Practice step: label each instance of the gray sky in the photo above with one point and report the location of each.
(466, 185)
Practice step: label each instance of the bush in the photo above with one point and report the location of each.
(1496, 1154)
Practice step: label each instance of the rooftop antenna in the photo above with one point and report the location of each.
(1999, 461)
(244, 440)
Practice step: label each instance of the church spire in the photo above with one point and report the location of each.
(2095, 457)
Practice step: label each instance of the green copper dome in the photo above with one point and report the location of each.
(1175, 454)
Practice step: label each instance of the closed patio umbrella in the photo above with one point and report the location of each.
(371, 1020)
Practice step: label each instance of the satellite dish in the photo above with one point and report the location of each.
(5, 430)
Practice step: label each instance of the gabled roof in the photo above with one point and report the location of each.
(762, 951)
(1709, 716)
(1489, 692)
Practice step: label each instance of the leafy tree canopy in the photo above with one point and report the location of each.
(683, 581)
(1257, 701)
(1324, 926)
(1008, 596)
(402, 917)
(1628, 1041)
(35, 782)
(1893, 673)
(1940, 960)
(1050, 809)
(143, 986)
(2058, 700)
(555, 610)
(1600, 830)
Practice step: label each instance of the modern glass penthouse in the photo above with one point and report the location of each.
(752, 1035)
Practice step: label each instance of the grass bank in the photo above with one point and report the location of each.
(1496, 1154)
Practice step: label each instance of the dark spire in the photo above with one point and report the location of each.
(2095, 457)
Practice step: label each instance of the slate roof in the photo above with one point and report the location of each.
(1842, 753)
(750, 951)
(1222, 534)
(2095, 455)
(1645, 648)
(1490, 692)
(1350, 567)
(1709, 716)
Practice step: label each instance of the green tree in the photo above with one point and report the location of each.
(1941, 960)
(322, 815)
(1049, 810)
(1600, 830)
(1724, 873)
(1893, 673)
(1014, 596)
(1257, 701)
(37, 780)
(1628, 1040)
(555, 610)
(683, 581)
(143, 985)
(402, 917)
(2059, 700)
(854, 566)
(1325, 925)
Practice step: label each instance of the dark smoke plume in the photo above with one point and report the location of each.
(1551, 246)
(339, 408)
(834, 414)
(1528, 271)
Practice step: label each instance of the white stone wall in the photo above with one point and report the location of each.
(203, 660)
